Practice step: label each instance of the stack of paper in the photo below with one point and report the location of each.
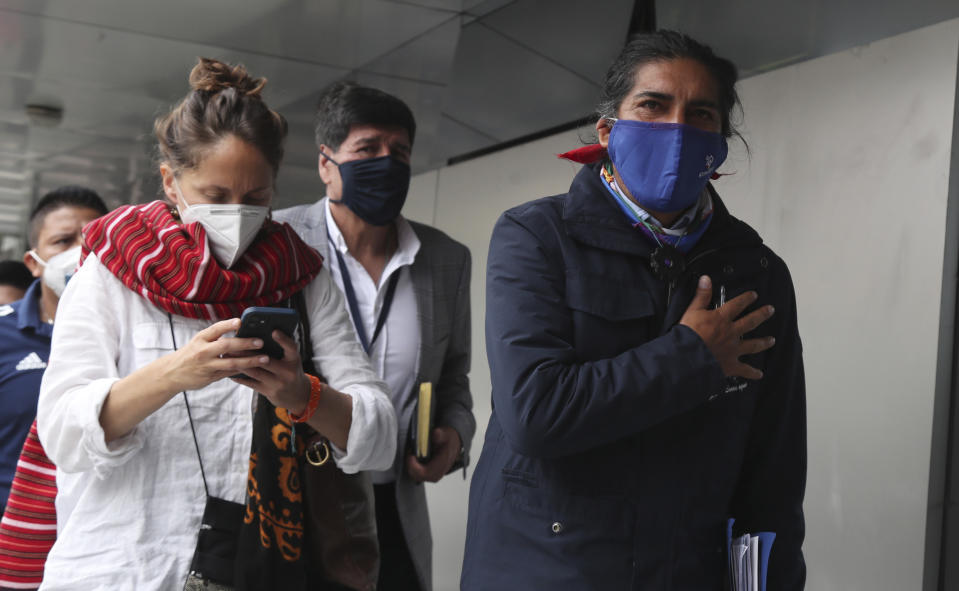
(748, 559)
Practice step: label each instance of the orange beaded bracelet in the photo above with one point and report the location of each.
(316, 387)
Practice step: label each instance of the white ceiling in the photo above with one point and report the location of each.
(113, 65)
(477, 73)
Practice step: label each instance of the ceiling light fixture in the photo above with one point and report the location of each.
(44, 115)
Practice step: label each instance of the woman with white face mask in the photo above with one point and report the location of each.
(142, 467)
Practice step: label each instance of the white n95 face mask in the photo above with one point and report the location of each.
(230, 228)
(59, 268)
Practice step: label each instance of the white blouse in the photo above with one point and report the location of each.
(128, 512)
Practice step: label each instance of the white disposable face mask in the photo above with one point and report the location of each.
(59, 268)
(230, 228)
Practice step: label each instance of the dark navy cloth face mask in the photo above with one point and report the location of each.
(665, 166)
(374, 188)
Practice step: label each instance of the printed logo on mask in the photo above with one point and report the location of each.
(709, 165)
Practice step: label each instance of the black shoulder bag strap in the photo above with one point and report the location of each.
(216, 544)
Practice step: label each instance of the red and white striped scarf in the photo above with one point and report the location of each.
(171, 265)
(29, 525)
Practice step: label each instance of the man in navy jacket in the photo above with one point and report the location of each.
(644, 390)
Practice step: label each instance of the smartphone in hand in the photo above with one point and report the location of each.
(260, 322)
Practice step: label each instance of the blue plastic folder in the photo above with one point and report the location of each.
(765, 541)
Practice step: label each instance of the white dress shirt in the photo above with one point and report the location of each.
(128, 512)
(395, 352)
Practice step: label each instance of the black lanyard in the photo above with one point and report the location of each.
(196, 444)
(354, 307)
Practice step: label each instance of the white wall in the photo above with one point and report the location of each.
(848, 182)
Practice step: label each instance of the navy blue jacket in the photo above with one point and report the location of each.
(24, 352)
(617, 450)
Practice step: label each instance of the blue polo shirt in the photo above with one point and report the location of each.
(24, 351)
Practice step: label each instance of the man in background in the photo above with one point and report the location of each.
(28, 528)
(407, 286)
(15, 279)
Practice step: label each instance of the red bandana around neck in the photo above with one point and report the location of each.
(596, 152)
(171, 265)
(585, 154)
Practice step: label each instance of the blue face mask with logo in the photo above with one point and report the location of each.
(374, 188)
(665, 166)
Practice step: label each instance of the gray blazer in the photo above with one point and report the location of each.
(441, 282)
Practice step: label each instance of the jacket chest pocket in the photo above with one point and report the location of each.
(734, 277)
(152, 340)
(608, 317)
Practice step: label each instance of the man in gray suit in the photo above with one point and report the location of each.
(407, 287)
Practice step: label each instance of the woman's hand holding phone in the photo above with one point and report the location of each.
(209, 357)
(282, 381)
(279, 375)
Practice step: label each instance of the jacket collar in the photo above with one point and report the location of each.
(28, 311)
(592, 217)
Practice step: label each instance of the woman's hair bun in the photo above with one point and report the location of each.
(213, 76)
(225, 100)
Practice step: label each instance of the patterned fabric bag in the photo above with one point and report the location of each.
(308, 525)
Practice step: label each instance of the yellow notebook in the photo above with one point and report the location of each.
(422, 426)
